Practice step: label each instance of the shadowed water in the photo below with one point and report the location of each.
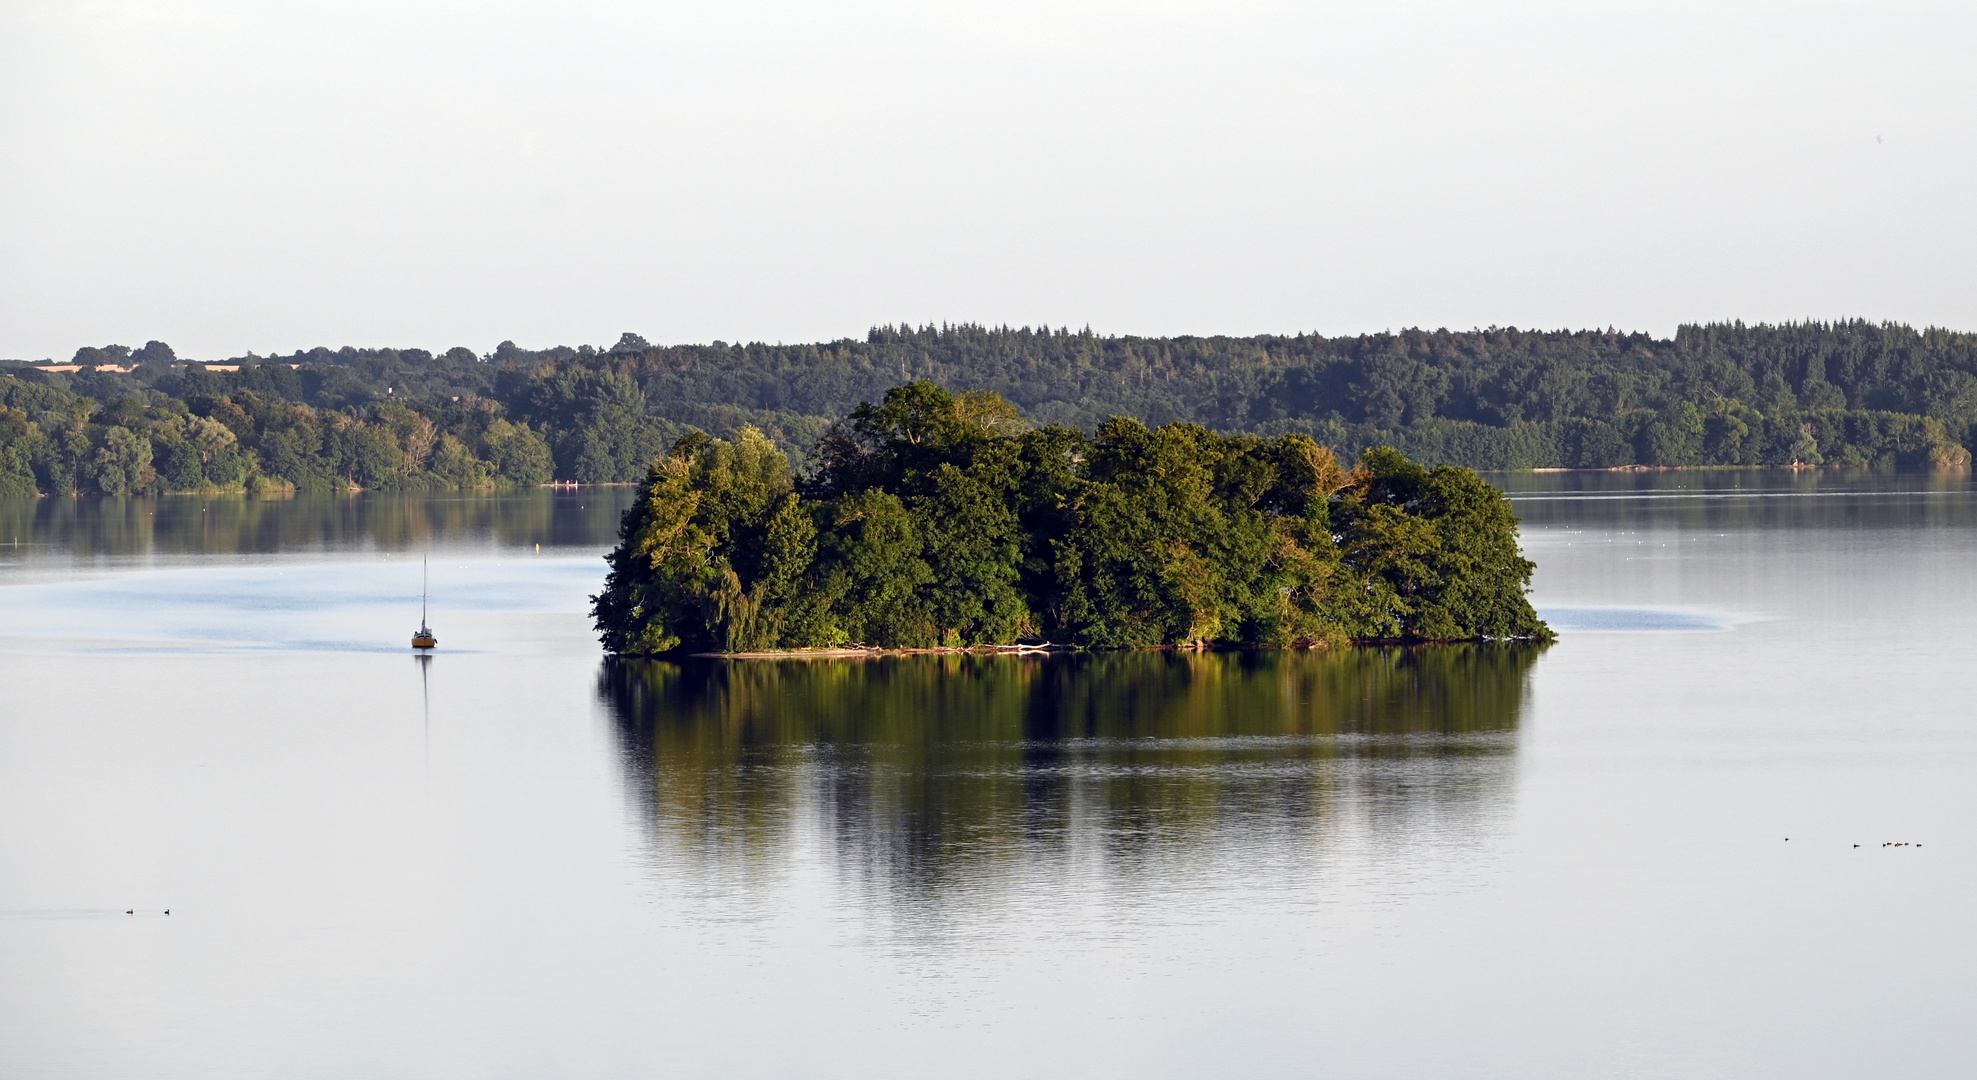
(193, 526)
(922, 772)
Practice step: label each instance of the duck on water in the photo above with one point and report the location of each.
(423, 639)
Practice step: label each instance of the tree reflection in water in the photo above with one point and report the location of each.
(108, 526)
(922, 774)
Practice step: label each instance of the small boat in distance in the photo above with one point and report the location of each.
(423, 639)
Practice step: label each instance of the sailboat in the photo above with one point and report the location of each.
(423, 639)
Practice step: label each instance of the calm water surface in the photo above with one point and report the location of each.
(518, 860)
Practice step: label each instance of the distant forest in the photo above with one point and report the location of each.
(1852, 394)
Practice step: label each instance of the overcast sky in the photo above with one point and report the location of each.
(227, 175)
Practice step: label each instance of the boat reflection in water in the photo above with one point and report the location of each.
(921, 773)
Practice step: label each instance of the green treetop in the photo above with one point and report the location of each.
(936, 519)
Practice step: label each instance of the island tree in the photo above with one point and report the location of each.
(937, 519)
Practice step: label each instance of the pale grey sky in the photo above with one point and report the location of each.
(228, 175)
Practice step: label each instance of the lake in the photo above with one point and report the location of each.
(1657, 848)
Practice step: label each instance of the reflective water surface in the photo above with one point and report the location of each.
(518, 859)
(927, 772)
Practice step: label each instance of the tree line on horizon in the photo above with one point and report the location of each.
(1857, 394)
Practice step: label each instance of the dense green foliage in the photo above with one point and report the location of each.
(942, 520)
(381, 419)
(1855, 393)
(1852, 393)
(56, 440)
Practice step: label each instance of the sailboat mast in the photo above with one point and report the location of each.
(424, 639)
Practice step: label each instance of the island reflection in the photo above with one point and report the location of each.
(920, 773)
(88, 527)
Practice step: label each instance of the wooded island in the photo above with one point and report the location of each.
(944, 520)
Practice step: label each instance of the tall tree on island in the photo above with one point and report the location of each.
(934, 519)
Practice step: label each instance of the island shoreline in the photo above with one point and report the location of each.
(855, 653)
